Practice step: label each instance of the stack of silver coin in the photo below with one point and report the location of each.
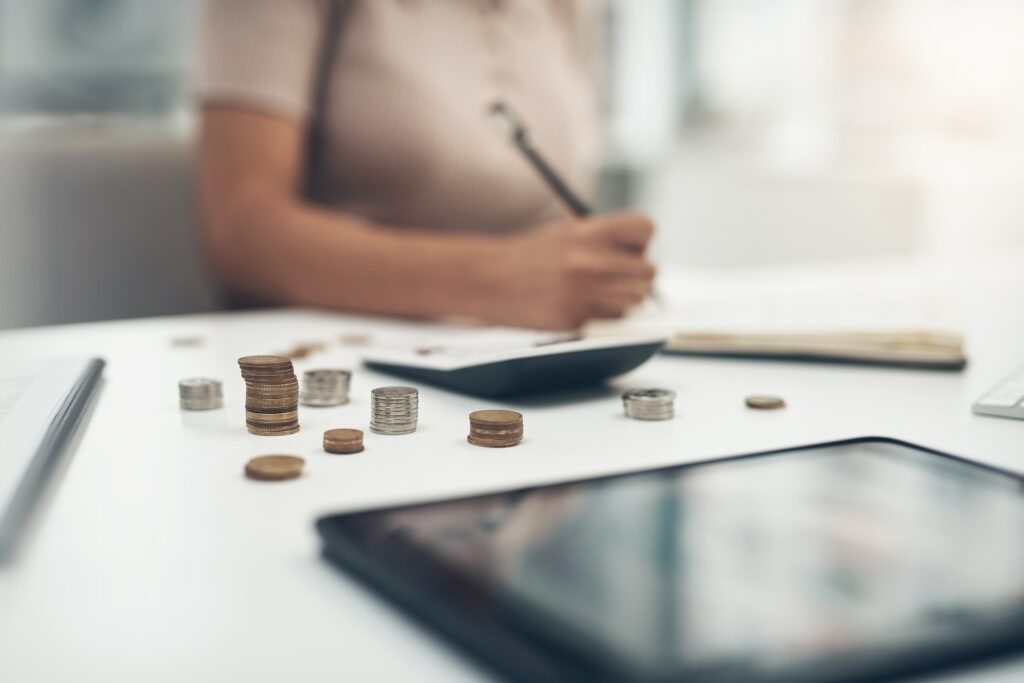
(649, 404)
(200, 393)
(394, 410)
(325, 387)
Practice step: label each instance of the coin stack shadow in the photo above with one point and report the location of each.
(200, 393)
(394, 410)
(495, 428)
(271, 395)
(325, 387)
(649, 404)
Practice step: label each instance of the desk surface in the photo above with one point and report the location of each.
(154, 559)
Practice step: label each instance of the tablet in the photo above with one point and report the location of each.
(860, 560)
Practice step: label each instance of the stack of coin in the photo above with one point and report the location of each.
(394, 410)
(649, 404)
(271, 395)
(200, 393)
(495, 428)
(325, 387)
(343, 441)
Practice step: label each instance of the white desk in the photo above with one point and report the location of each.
(155, 560)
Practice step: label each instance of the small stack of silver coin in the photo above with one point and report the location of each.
(394, 410)
(325, 387)
(200, 393)
(649, 404)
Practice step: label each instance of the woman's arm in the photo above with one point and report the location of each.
(264, 238)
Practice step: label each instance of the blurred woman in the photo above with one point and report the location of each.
(347, 161)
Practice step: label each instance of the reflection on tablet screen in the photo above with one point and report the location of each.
(760, 562)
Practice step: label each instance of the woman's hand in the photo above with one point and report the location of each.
(561, 274)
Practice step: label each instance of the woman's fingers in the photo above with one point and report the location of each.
(633, 289)
(625, 230)
(598, 263)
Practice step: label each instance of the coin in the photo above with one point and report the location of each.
(765, 402)
(274, 467)
(271, 395)
(495, 428)
(354, 339)
(649, 404)
(343, 441)
(200, 393)
(394, 410)
(325, 387)
(184, 342)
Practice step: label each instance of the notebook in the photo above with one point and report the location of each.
(859, 317)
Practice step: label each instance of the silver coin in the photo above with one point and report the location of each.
(649, 404)
(200, 393)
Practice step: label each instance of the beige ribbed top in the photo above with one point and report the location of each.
(405, 139)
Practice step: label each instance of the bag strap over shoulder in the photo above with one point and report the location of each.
(336, 15)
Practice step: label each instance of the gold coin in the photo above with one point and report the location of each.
(765, 402)
(274, 467)
(271, 418)
(259, 430)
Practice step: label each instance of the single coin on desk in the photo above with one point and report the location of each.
(765, 402)
(274, 467)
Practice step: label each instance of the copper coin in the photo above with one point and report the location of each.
(343, 441)
(496, 417)
(274, 467)
(344, 435)
(265, 361)
(765, 402)
(491, 443)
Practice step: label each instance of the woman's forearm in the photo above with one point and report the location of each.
(351, 264)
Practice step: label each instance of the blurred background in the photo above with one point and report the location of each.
(790, 131)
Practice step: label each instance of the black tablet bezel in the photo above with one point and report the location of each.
(520, 656)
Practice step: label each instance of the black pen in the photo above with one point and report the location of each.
(502, 113)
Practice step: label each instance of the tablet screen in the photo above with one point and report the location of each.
(852, 557)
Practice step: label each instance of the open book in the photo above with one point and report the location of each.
(889, 317)
(908, 348)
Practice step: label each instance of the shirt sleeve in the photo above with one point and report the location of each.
(262, 53)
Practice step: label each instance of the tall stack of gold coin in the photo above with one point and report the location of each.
(271, 395)
(495, 428)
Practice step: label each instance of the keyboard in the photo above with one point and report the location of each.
(1005, 399)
